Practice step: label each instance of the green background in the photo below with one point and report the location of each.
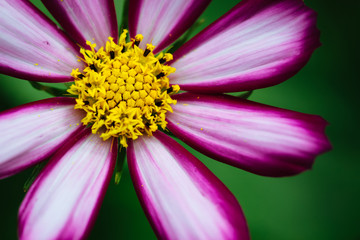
(322, 203)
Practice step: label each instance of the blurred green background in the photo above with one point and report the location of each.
(322, 203)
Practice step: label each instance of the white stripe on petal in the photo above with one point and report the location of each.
(32, 47)
(163, 21)
(83, 20)
(258, 43)
(258, 138)
(64, 200)
(32, 132)
(181, 197)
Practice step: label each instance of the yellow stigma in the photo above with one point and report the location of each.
(123, 89)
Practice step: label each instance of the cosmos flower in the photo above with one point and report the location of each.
(124, 96)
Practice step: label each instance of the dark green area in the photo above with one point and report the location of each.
(319, 204)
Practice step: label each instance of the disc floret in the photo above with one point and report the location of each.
(124, 89)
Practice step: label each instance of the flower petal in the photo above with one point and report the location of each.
(94, 21)
(64, 200)
(32, 47)
(32, 132)
(259, 43)
(180, 196)
(258, 138)
(161, 22)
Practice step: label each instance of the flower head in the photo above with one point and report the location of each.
(124, 89)
(124, 96)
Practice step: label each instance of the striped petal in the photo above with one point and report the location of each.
(258, 138)
(32, 47)
(64, 200)
(32, 132)
(94, 21)
(259, 43)
(161, 22)
(180, 196)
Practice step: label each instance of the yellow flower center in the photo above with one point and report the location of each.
(123, 89)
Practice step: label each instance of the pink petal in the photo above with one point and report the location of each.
(258, 138)
(64, 200)
(161, 22)
(94, 21)
(259, 43)
(32, 47)
(180, 196)
(32, 132)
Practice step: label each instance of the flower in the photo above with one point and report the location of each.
(257, 44)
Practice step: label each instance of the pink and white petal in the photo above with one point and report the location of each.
(32, 132)
(65, 198)
(180, 196)
(94, 21)
(258, 138)
(161, 22)
(259, 43)
(32, 47)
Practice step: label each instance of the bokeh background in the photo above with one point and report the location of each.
(322, 203)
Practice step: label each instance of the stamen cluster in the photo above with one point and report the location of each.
(123, 89)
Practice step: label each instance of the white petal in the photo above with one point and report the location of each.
(64, 200)
(32, 47)
(180, 196)
(34, 131)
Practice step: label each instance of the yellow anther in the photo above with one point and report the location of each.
(131, 64)
(176, 88)
(122, 39)
(112, 103)
(126, 96)
(110, 95)
(135, 95)
(139, 103)
(92, 46)
(131, 103)
(147, 87)
(129, 87)
(149, 100)
(168, 57)
(117, 97)
(139, 37)
(153, 94)
(121, 90)
(138, 69)
(124, 75)
(122, 107)
(123, 60)
(150, 47)
(117, 64)
(132, 73)
(115, 72)
(130, 80)
(106, 73)
(139, 78)
(106, 86)
(148, 50)
(143, 94)
(120, 82)
(148, 79)
(138, 85)
(124, 68)
(111, 79)
(114, 87)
